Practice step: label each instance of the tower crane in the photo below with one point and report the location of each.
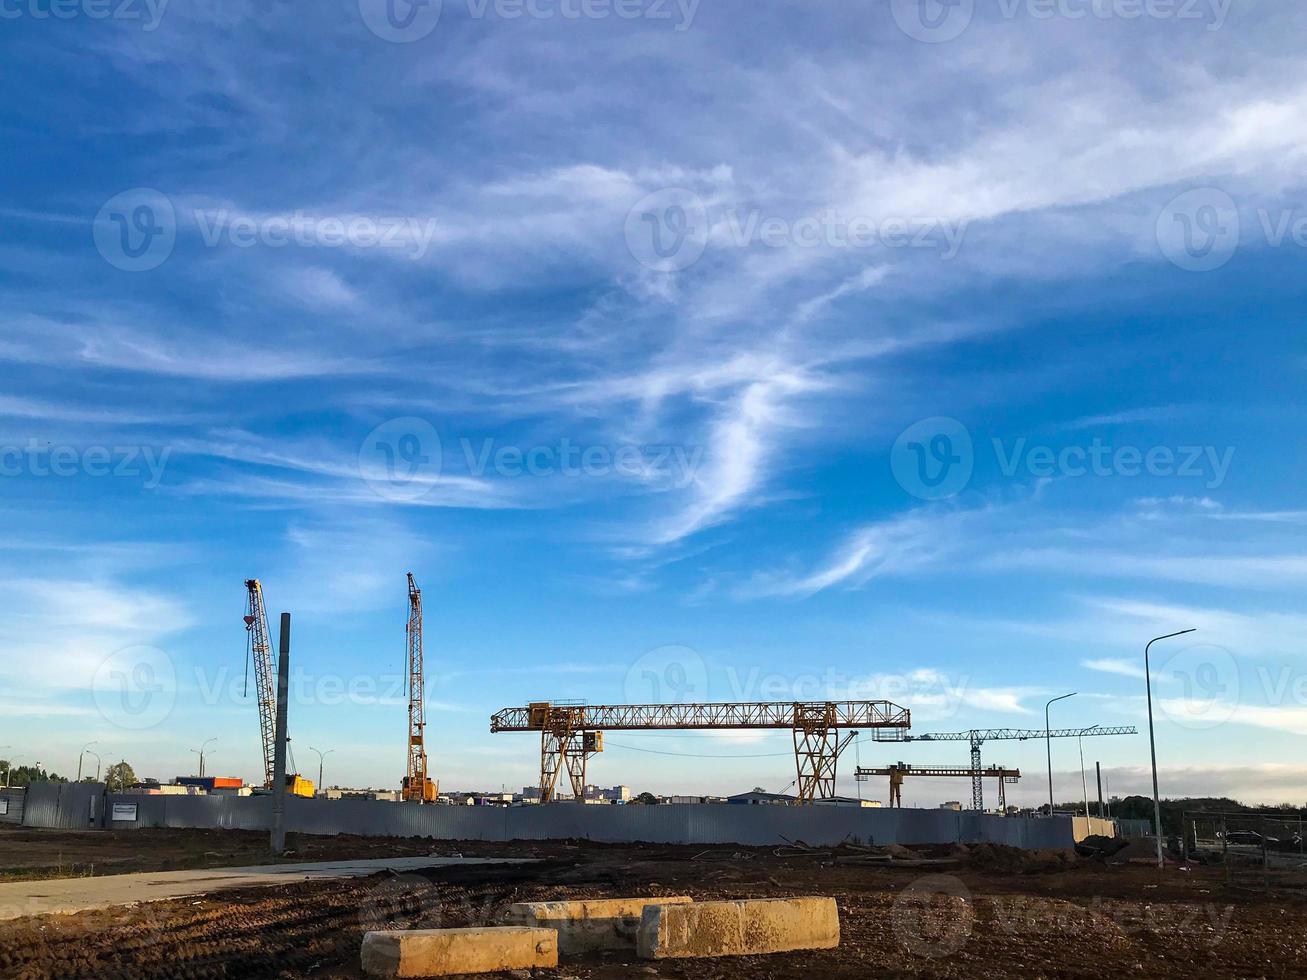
(978, 737)
(259, 649)
(571, 733)
(417, 786)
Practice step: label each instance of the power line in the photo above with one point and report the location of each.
(692, 755)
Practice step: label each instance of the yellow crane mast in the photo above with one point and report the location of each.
(417, 786)
(259, 649)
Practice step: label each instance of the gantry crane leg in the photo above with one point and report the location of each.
(977, 781)
(551, 761)
(816, 752)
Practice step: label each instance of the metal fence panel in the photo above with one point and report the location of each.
(14, 800)
(68, 807)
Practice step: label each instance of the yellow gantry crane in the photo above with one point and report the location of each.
(897, 773)
(571, 733)
(259, 649)
(417, 786)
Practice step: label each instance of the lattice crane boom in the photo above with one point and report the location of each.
(259, 649)
(417, 785)
(570, 734)
(978, 736)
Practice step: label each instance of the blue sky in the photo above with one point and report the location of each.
(709, 351)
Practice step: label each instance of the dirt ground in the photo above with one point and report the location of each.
(983, 911)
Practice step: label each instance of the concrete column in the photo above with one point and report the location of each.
(279, 753)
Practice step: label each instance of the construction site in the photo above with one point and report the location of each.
(282, 880)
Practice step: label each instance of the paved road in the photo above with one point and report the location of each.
(65, 895)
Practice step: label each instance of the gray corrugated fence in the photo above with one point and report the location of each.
(694, 823)
(14, 800)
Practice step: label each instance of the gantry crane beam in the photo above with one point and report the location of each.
(570, 734)
(417, 786)
(978, 736)
(897, 773)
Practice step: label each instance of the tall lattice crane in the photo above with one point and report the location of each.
(571, 733)
(977, 737)
(417, 786)
(259, 649)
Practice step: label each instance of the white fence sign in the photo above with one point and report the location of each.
(124, 812)
(4, 806)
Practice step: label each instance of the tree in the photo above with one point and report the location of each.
(119, 776)
(26, 775)
(646, 798)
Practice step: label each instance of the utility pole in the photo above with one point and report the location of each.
(279, 757)
(321, 755)
(1152, 743)
(200, 753)
(80, 756)
(1084, 789)
(1098, 769)
(1048, 743)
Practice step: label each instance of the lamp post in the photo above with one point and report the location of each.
(321, 755)
(1048, 743)
(1084, 786)
(97, 763)
(80, 756)
(200, 753)
(9, 764)
(1152, 743)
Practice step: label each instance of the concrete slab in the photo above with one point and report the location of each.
(451, 952)
(62, 896)
(590, 925)
(741, 928)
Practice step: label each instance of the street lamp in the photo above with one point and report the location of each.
(9, 767)
(321, 755)
(1152, 744)
(97, 762)
(1084, 786)
(1048, 743)
(200, 753)
(80, 756)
